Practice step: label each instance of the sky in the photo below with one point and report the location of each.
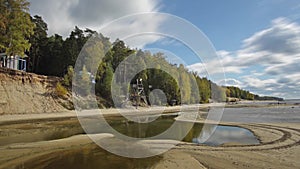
(257, 41)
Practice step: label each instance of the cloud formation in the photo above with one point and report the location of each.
(268, 61)
(63, 16)
(98, 11)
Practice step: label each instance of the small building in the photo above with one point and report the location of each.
(13, 62)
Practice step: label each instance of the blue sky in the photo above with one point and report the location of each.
(231, 20)
(258, 41)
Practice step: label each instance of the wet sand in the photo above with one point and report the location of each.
(279, 148)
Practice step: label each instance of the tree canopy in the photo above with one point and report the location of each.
(53, 55)
(16, 27)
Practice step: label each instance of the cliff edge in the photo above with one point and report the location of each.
(24, 93)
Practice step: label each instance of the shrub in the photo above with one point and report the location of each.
(68, 77)
(60, 90)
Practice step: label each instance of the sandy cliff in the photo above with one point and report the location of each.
(22, 93)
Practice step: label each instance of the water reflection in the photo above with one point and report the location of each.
(208, 134)
(91, 157)
(225, 134)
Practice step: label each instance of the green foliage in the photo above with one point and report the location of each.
(51, 62)
(257, 97)
(57, 56)
(15, 26)
(184, 85)
(38, 43)
(159, 79)
(103, 86)
(92, 53)
(84, 82)
(53, 55)
(236, 92)
(204, 89)
(72, 47)
(120, 52)
(60, 90)
(69, 76)
(217, 93)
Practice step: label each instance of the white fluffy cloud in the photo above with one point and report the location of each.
(270, 59)
(63, 16)
(277, 51)
(231, 82)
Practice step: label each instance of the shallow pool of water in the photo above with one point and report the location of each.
(92, 156)
(89, 157)
(208, 134)
(225, 134)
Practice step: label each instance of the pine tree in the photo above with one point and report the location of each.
(105, 86)
(38, 43)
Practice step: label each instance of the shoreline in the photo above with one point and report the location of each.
(15, 118)
(279, 144)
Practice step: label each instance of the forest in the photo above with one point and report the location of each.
(55, 55)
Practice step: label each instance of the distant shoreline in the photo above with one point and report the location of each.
(16, 118)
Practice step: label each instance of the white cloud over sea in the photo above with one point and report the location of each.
(267, 63)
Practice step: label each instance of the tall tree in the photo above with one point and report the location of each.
(204, 89)
(38, 43)
(51, 63)
(72, 47)
(104, 87)
(15, 26)
(184, 83)
(120, 52)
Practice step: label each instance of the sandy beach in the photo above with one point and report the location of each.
(279, 146)
(149, 84)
